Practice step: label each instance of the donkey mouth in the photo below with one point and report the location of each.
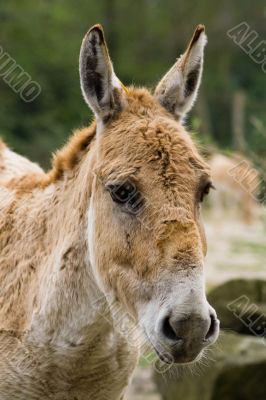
(175, 357)
(174, 354)
(167, 358)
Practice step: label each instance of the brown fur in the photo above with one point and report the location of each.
(144, 142)
(64, 244)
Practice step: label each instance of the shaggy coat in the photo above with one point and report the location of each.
(68, 249)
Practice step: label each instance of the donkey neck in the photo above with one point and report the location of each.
(68, 308)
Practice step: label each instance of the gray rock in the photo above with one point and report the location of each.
(237, 372)
(241, 306)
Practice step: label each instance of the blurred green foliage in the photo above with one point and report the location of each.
(144, 37)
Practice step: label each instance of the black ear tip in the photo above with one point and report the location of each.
(96, 27)
(98, 30)
(197, 33)
(200, 28)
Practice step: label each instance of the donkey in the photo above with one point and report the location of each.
(117, 220)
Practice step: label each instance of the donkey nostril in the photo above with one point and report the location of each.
(168, 330)
(213, 327)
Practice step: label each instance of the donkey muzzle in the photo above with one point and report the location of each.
(184, 337)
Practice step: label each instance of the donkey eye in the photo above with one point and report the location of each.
(121, 193)
(206, 190)
(125, 194)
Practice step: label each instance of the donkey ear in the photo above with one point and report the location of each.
(178, 89)
(100, 87)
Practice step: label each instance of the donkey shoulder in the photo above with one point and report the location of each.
(13, 165)
(17, 173)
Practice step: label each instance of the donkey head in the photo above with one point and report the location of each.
(146, 239)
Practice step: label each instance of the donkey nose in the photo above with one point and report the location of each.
(191, 331)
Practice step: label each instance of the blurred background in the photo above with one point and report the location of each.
(145, 37)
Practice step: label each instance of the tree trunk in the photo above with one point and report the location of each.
(238, 120)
